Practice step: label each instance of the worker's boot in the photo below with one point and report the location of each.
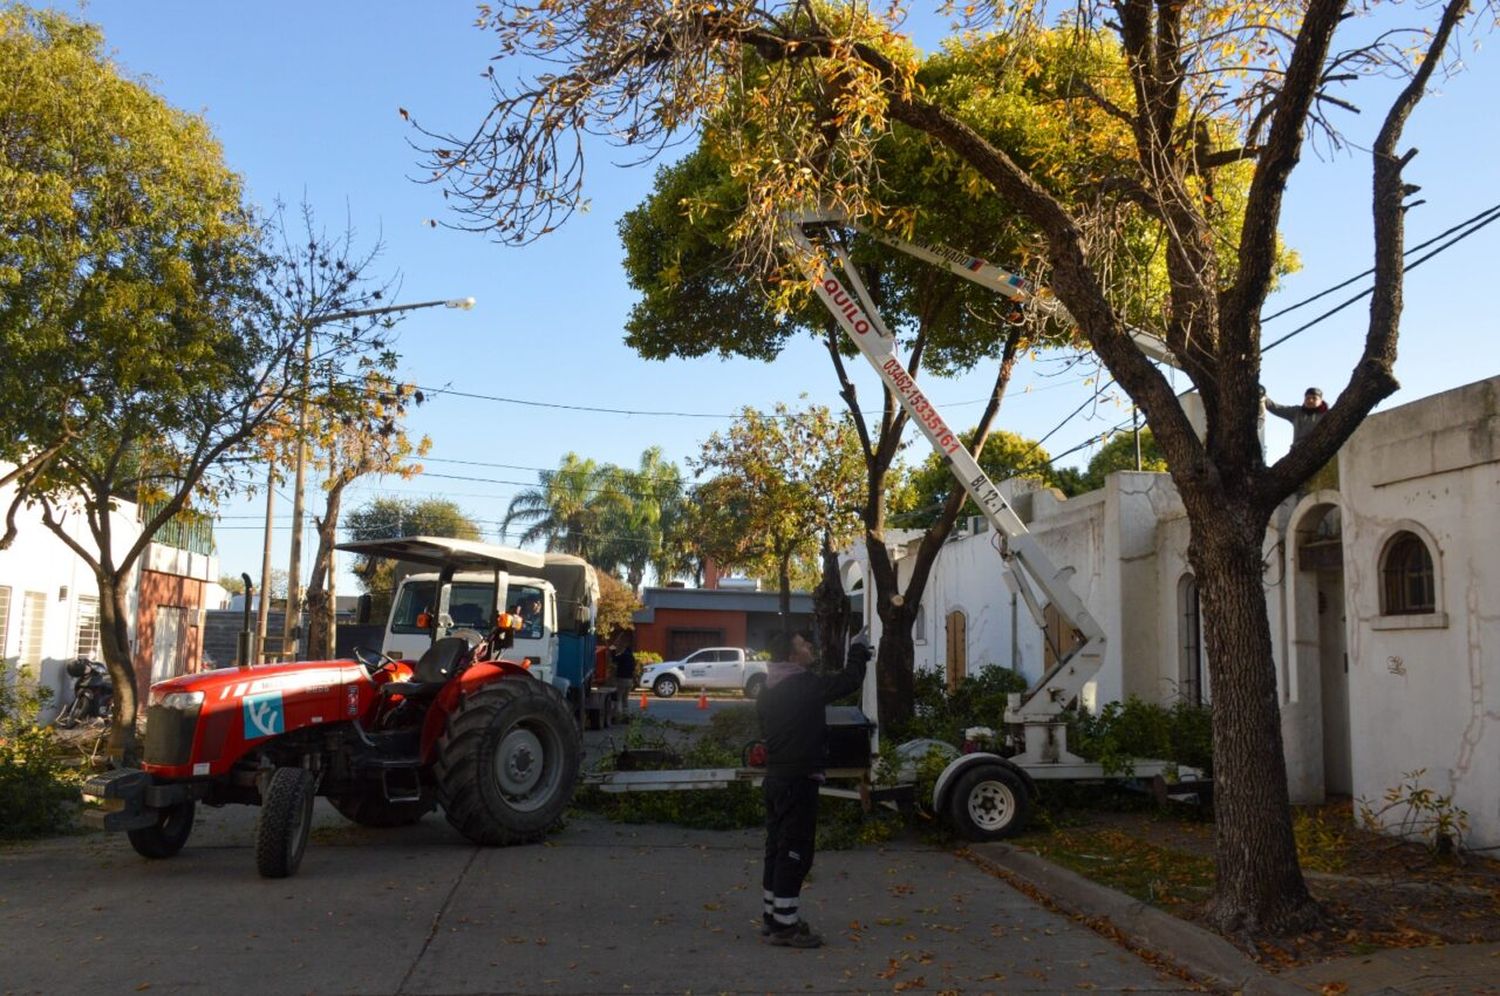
(799, 935)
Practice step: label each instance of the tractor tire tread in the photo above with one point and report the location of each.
(460, 771)
(287, 804)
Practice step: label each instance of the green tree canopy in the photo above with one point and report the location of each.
(391, 518)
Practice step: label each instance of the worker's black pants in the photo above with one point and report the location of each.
(791, 826)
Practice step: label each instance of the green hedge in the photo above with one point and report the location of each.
(38, 793)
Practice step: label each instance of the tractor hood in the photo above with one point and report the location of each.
(441, 551)
(236, 682)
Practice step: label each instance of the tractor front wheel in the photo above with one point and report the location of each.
(373, 811)
(285, 820)
(507, 763)
(166, 837)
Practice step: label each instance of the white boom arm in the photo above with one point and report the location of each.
(1039, 709)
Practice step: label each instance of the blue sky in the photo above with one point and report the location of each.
(305, 96)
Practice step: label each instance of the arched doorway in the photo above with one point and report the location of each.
(1321, 630)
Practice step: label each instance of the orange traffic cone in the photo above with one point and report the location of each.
(703, 701)
(643, 702)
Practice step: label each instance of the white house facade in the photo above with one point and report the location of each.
(1383, 598)
(49, 600)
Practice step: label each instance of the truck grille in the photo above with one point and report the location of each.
(169, 735)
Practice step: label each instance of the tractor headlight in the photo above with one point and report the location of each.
(182, 700)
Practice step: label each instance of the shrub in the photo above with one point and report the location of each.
(1122, 731)
(1413, 812)
(978, 700)
(38, 793)
(644, 657)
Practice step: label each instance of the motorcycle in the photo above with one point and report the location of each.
(93, 693)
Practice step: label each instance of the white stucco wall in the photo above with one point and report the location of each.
(1425, 691)
(39, 562)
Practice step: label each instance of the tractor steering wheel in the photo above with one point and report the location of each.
(374, 661)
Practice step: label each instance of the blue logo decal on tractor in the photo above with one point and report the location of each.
(263, 715)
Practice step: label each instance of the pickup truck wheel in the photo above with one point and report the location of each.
(666, 686)
(285, 821)
(373, 811)
(173, 825)
(755, 686)
(989, 802)
(507, 763)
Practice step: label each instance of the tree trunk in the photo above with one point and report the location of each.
(784, 601)
(1259, 886)
(895, 672)
(114, 641)
(831, 609)
(321, 610)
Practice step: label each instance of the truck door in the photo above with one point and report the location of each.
(723, 669)
(697, 667)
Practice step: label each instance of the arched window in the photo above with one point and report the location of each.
(919, 625)
(1408, 586)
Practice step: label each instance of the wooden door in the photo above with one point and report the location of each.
(957, 648)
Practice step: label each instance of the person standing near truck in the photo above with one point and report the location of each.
(623, 660)
(795, 730)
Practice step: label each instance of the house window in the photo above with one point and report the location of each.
(87, 644)
(4, 619)
(919, 625)
(1190, 645)
(33, 628)
(1408, 583)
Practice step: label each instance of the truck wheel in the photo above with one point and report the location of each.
(285, 819)
(755, 686)
(989, 802)
(507, 763)
(666, 686)
(373, 811)
(173, 825)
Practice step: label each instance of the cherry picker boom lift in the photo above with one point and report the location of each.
(1036, 713)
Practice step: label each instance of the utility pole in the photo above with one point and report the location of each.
(263, 607)
(290, 644)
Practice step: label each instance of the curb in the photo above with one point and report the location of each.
(1199, 951)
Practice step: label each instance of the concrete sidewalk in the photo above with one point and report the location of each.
(599, 908)
(1458, 970)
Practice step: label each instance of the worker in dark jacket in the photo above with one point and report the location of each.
(1304, 416)
(795, 731)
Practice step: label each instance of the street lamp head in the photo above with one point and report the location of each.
(466, 303)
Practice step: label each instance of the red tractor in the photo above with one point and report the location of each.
(384, 740)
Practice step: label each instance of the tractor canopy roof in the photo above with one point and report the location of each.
(442, 551)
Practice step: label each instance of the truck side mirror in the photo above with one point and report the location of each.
(362, 608)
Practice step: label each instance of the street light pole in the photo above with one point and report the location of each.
(290, 633)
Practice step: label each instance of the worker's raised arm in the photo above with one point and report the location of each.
(832, 687)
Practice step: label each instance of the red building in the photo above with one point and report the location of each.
(674, 622)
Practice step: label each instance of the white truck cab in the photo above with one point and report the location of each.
(471, 603)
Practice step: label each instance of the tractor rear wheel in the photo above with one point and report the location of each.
(285, 820)
(507, 763)
(373, 811)
(166, 837)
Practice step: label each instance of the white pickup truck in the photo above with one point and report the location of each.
(711, 667)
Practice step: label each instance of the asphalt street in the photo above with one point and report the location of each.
(598, 908)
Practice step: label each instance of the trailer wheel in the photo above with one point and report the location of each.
(666, 686)
(989, 802)
(507, 763)
(285, 820)
(373, 811)
(165, 839)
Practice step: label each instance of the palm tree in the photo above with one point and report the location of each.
(564, 512)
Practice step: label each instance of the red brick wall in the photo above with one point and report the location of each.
(656, 636)
(167, 590)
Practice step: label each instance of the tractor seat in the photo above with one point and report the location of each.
(433, 670)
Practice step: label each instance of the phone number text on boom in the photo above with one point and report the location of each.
(920, 407)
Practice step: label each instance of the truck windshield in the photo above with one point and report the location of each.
(470, 605)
